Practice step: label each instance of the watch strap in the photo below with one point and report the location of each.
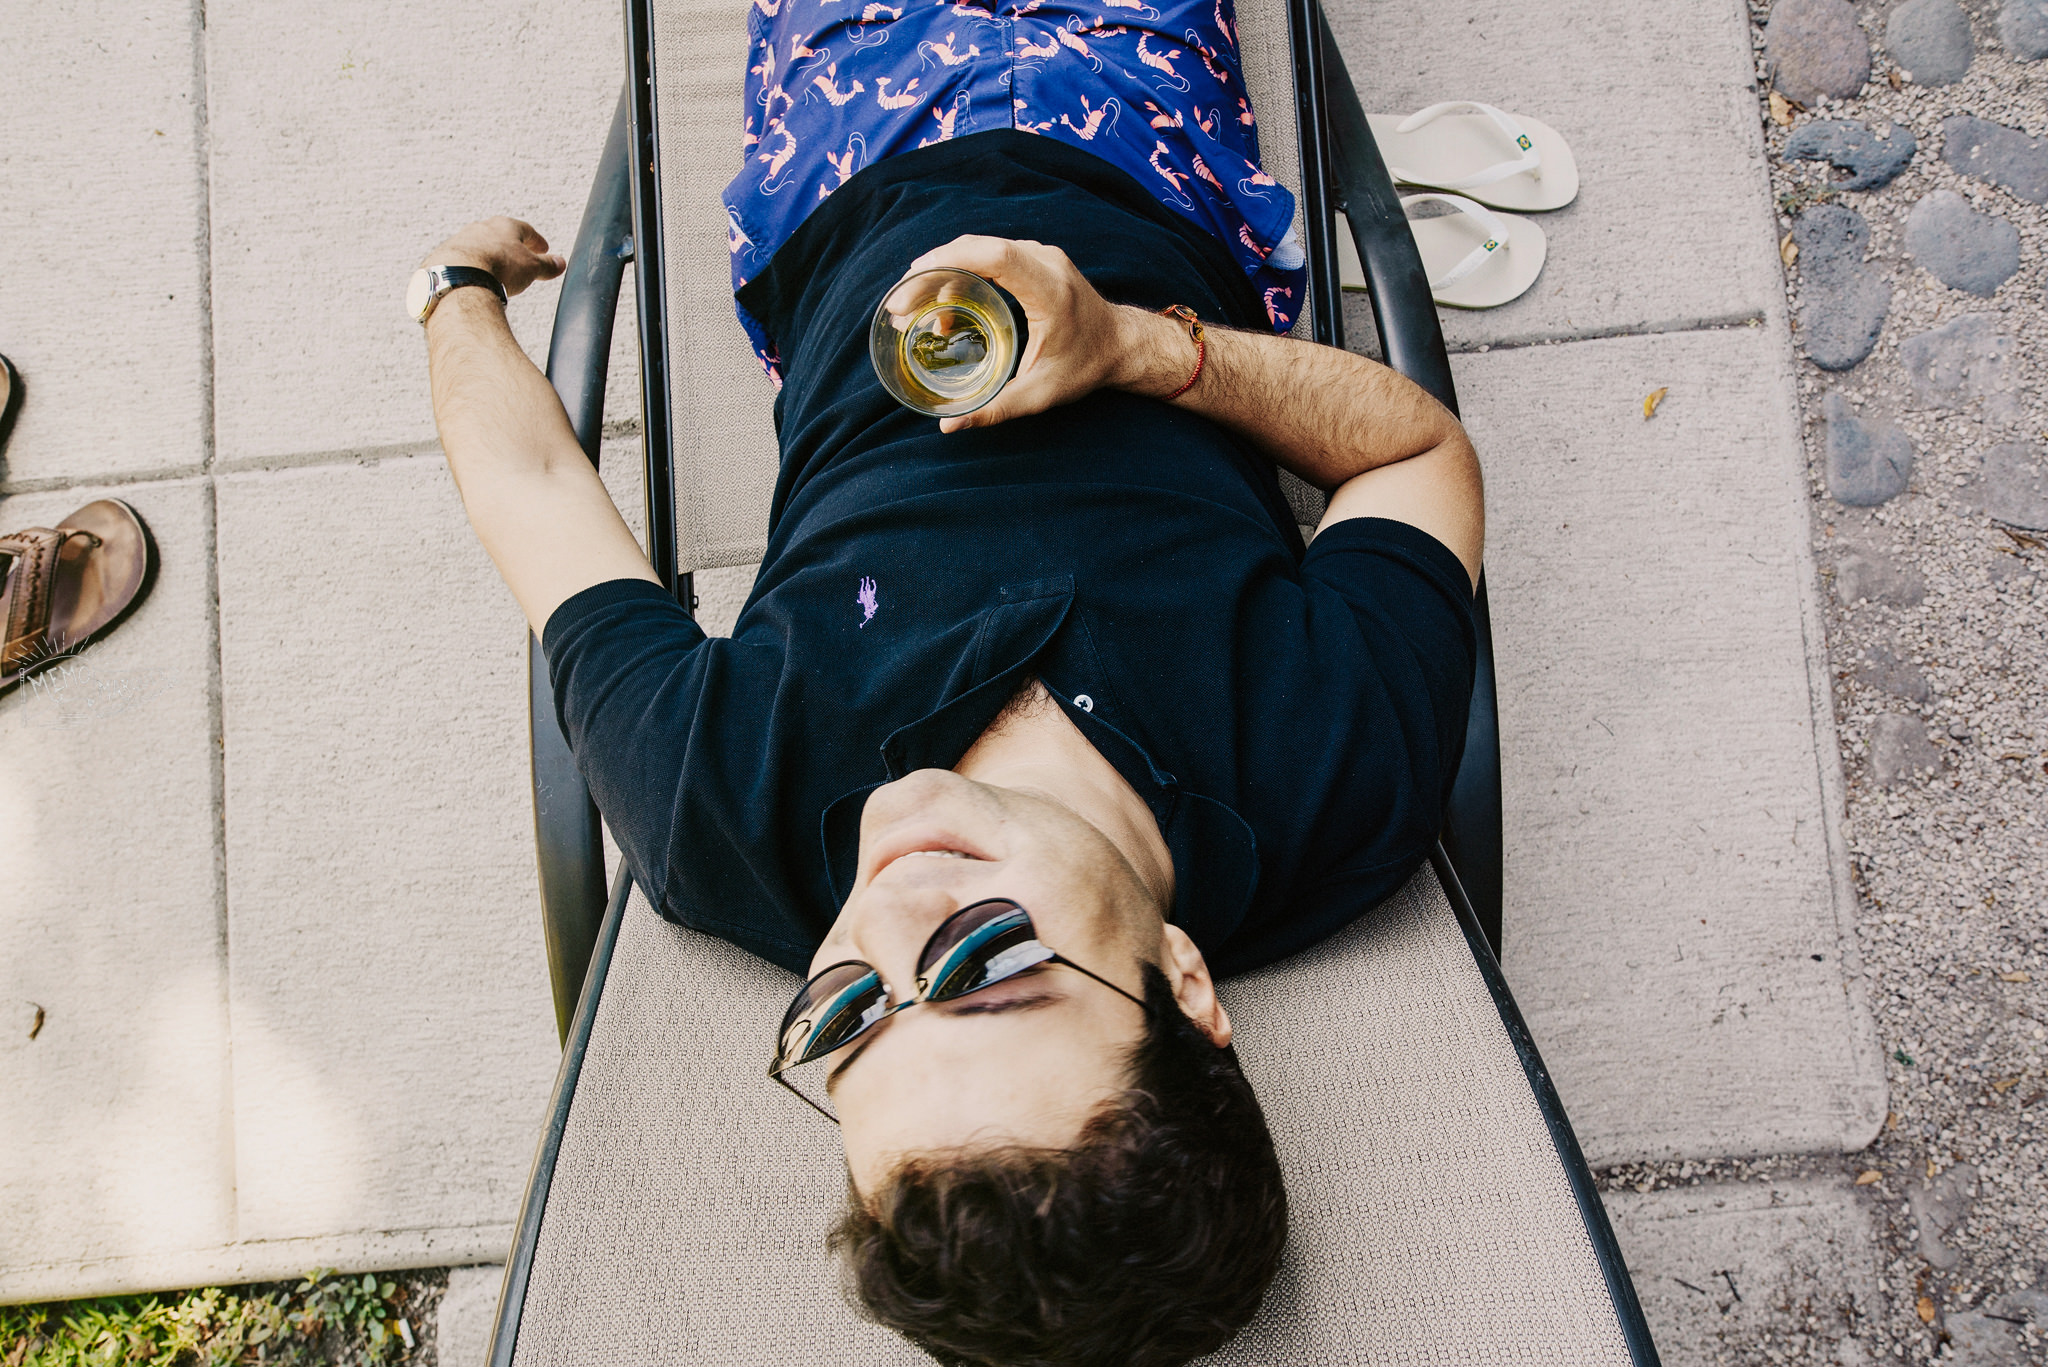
(444, 280)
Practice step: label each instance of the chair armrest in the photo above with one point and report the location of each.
(568, 840)
(1412, 341)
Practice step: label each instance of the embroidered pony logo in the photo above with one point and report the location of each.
(866, 599)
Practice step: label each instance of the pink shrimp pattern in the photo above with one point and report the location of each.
(1151, 86)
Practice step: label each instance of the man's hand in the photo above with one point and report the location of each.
(1076, 335)
(512, 251)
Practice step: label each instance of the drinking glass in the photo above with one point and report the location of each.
(943, 342)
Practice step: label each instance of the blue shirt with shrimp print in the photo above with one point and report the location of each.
(834, 86)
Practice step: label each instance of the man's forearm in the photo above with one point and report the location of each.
(1324, 414)
(1375, 440)
(497, 414)
(533, 497)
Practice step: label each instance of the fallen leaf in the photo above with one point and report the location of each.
(2031, 542)
(2032, 1099)
(1932, 1171)
(1781, 110)
(1926, 1309)
(2015, 977)
(2005, 1084)
(1891, 1120)
(1893, 77)
(1650, 402)
(1866, 1178)
(1788, 250)
(37, 1027)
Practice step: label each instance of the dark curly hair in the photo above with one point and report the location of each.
(1147, 1244)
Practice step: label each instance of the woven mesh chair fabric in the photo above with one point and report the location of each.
(721, 421)
(722, 426)
(1267, 58)
(1432, 1219)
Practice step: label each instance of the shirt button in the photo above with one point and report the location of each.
(1084, 702)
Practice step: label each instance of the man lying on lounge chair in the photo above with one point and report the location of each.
(1037, 719)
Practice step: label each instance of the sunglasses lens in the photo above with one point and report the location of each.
(980, 945)
(832, 1009)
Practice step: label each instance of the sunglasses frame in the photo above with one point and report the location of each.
(776, 1067)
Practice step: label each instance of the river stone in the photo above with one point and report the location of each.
(2028, 1305)
(1981, 1340)
(1899, 749)
(1868, 463)
(2014, 485)
(1840, 321)
(2023, 28)
(1930, 41)
(1965, 249)
(2001, 155)
(1884, 670)
(1872, 159)
(1814, 48)
(1964, 360)
(1940, 1203)
(1842, 302)
(1832, 240)
(1867, 577)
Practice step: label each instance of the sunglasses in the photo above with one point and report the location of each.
(978, 946)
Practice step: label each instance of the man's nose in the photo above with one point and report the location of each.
(898, 923)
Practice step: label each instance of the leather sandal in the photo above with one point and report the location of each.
(67, 585)
(10, 398)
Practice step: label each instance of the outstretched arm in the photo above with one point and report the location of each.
(532, 496)
(1339, 421)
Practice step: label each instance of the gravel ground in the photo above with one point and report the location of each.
(1937, 632)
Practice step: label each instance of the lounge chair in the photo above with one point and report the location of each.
(1441, 1209)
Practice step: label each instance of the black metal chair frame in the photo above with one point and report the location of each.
(1342, 171)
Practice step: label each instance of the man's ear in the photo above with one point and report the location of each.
(1188, 973)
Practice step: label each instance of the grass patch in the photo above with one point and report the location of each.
(323, 1321)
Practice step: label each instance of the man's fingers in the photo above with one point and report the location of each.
(985, 256)
(1020, 398)
(1021, 266)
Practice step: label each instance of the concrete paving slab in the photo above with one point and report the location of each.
(102, 226)
(1671, 228)
(343, 149)
(1675, 911)
(469, 1308)
(1735, 1271)
(394, 1045)
(115, 1135)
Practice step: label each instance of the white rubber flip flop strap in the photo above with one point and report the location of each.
(1496, 236)
(1530, 161)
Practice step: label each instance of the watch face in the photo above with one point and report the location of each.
(417, 294)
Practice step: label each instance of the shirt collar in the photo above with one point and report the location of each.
(1215, 854)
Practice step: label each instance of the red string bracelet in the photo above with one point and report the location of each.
(1187, 315)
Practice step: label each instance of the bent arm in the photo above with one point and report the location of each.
(1339, 421)
(533, 498)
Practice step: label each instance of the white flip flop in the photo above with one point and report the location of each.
(1474, 258)
(1504, 161)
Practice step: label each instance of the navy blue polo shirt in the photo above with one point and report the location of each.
(1293, 719)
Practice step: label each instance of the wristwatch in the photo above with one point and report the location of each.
(431, 283)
